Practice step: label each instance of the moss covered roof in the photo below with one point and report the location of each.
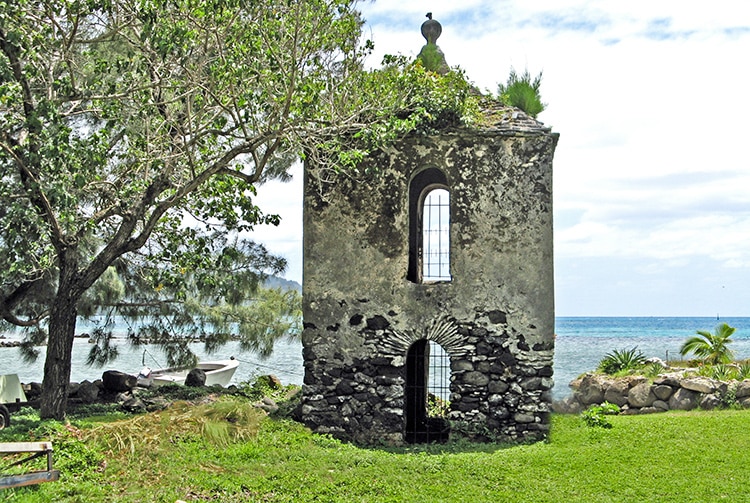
(497, 116)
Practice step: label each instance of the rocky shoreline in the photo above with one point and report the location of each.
(636, 394)
(119, 388)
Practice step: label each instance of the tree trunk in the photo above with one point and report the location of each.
(57, 366)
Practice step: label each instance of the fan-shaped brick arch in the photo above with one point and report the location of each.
(443, 331)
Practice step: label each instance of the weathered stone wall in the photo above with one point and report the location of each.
(495, 319)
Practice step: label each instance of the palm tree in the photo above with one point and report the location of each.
(712, 347)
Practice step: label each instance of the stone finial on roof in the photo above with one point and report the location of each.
(431, 56)
(431, 29)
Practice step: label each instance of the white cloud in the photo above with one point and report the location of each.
(284, 199)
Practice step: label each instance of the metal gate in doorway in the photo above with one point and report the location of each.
(427, 393)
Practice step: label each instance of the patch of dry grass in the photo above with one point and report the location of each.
(219, 423)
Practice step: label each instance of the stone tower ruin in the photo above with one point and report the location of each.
(428, 296)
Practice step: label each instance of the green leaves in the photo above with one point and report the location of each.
(596, 415)
(522, 92)
(622, 360)
(134, 134)
(711, 347)
(401, 98)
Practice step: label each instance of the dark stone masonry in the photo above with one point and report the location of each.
(371, 306)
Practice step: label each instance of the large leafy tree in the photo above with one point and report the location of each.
(712, 347)
(133, 134)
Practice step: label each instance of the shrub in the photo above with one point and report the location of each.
(522, 92)
(729, 399)
(619, 360)
(265, 386)
(595, 415)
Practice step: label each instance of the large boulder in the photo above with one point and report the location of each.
(568, 405)
(274, 382)
(617, 392)
(88, 392)
(156, 403)
(267, 404)
(591, 390)
(196, 378)
(700, 384)
(709, 402)
(73, 389)
(134, 404)
(743, 389)
(661, 405)
(641, 395)
(672, 379)
(684, 399)
(114, 380)
(33, 390)
(662, 391)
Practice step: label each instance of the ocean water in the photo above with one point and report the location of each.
(580, 344)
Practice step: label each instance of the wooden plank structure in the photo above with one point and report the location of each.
(37, 450)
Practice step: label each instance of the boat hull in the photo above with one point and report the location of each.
(217, 372)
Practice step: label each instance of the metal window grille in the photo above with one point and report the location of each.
(438, 385)
(436, 236)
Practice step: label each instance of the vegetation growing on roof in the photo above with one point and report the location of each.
(521, 91)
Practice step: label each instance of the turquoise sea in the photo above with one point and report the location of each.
(583, 341)
(580, 344)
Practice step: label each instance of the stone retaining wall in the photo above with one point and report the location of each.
(641, 395)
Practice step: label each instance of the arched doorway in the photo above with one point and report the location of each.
(427, 393)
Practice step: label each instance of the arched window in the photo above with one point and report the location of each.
(429, 227)
(436, 219)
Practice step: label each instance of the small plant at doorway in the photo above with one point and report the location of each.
(622, 360)
(595, 416)
(437, 407)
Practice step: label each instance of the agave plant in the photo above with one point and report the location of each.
(711, 347)
(723, 372)
(654, 369)
(625, 359)
(743, 372)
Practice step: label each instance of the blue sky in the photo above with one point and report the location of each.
(652, 172)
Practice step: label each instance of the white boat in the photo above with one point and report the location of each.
(217, 372)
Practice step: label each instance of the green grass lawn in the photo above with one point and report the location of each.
(697, 456)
